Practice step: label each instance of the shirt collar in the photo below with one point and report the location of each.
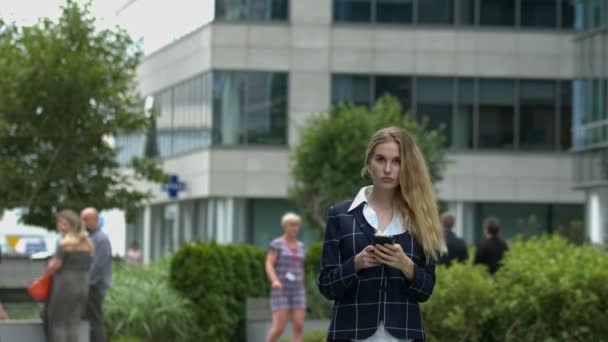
(360, 198)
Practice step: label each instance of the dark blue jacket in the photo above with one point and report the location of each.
(363, 299)
(457, 249)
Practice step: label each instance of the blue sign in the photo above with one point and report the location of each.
(174, 187)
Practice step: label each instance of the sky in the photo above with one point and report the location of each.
(157, 22)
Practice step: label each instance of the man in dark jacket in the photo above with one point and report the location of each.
(457, 247)
(491, 250)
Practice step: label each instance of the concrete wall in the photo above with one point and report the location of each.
(32, 331)
(20, 271)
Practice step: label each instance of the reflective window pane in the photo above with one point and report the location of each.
(353, 10)
(434, 102)
(255, 10)
(249, 108)
(525, 219)
(462, 134)
(537, 115)
(351, 89)
(436, 11)
(466, 12)
(497, 13)
(538, 13)
(496, 114)
(266, 10)
(231, 9)
(266, 108)
(568, 13)
(394, 11)
(400, 87)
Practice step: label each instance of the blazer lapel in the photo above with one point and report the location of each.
(360, 221)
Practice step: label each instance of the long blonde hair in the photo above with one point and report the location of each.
(76, 234)
(416, 200)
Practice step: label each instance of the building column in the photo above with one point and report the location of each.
(147, 243)
(596, 215)
(464, 214)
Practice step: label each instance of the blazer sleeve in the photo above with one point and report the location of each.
(337, 274)
(421, 287)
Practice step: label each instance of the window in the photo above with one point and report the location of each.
(249, 108)
(537, 115)
(538, 13)
(192, 114)
(436, 11)
(497, 13)
(466, 12)
(496, 114)
(397, 86)
(351, 89)
(462, 136)
(567, 7)
(255, 10)
(434, 101)
(353, 10)
(394, 11)
(163, 104)
(515, 218)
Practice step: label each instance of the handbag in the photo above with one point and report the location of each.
(40, 288)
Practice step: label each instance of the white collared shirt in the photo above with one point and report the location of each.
(394, 227)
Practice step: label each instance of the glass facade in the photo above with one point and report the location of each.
(557, 14)
(503, 114)
(252, 10)
(590, 94)
(529, 219)
(250, 108)
(264, 222)
(219, 108)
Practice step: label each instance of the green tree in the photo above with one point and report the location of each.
(66, 89)
(326, 163)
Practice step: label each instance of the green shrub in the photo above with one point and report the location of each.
(317, 306)
(547, 290)
(551, 289)
(219, 279)
(141, 304)
(460, 304)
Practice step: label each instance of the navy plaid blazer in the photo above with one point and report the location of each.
(363, 299)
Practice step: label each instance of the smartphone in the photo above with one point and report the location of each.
(382, 239)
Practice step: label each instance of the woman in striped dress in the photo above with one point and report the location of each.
(285, 270)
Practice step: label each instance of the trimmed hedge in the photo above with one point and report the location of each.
(218, 280)
(547, 290)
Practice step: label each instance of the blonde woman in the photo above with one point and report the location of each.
(70, 286)
(285, 270)
(376, 285)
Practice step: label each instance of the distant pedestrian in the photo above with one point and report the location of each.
(134, 256)
(100, 275)
(69, 290)
(3, 314)
(491, 250)
(457, 247)
(285, 270)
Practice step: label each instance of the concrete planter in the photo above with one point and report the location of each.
(259, 320)
(32, 331)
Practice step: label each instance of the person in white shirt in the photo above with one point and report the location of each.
(377, 289)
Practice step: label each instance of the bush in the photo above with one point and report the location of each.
(548, 289)
(141, 304)
(317, 306)
(219, 279)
